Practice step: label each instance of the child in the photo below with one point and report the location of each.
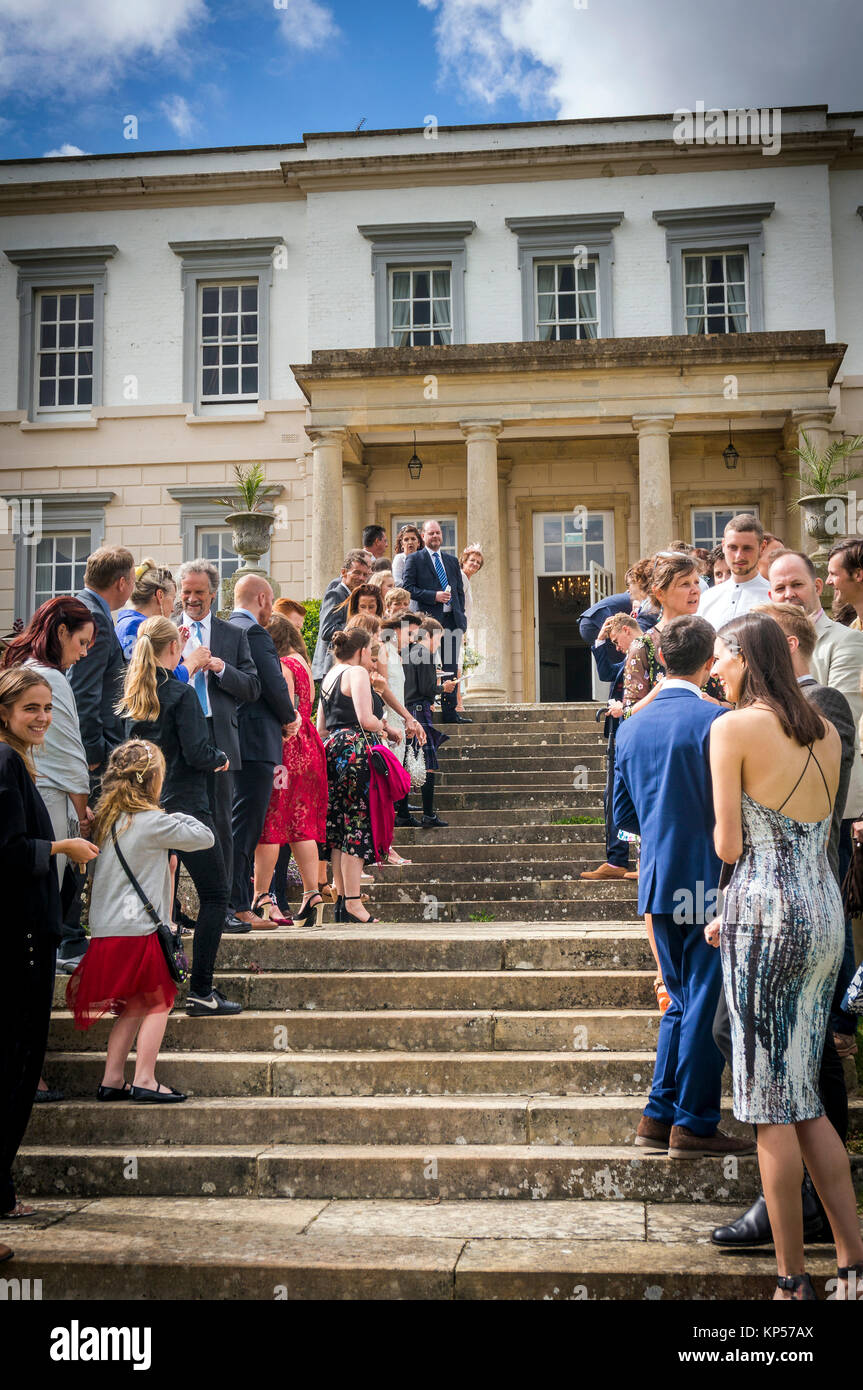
(422, 688)
(124, 971)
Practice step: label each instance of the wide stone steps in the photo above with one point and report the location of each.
(265, 1249)
(456, 1172)
(503, 870)
(399, 1030)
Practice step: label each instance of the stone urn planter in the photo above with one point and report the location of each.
(824, 520)
(250, 537)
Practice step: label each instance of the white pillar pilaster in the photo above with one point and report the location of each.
(654, 481)
(354, 505)
(488, 629)
(327, 508)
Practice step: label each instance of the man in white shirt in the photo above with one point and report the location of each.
(745, 587)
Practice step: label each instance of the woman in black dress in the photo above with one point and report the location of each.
(166, 712)
(31, 905)
(350, 716)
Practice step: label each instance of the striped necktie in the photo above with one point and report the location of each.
(439, 568)
(199, 680)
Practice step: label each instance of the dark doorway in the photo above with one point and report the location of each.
(564, 658)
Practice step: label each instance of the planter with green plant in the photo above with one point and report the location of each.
(823, 496)
(251, 520)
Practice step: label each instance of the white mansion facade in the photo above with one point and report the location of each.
(563, 320)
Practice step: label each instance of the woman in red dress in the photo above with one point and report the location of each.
(297, 813)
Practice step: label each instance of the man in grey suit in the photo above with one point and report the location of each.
(222, 674)
(355, 571)
(753, 1227)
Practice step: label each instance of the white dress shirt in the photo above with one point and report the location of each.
(731, 600)
(193, 643)
(678, 683)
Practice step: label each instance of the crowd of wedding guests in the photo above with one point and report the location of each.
(734, 772)
(171, 738)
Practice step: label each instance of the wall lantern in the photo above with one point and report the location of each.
(729, 453)
(415, 464)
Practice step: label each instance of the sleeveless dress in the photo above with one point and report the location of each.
(782, 940)
(298, 805)
(349, 819)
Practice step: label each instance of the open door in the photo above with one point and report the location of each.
(601, 586)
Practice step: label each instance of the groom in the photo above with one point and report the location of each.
(663, 791)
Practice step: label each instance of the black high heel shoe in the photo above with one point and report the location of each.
(845, 1272)
(793, 1283)
(339, 913)
(349, 916)
(312, 909)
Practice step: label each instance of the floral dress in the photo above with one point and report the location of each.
(298, 805)
(644, 669)
(349, 821)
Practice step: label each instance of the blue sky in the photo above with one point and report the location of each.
(209, 72)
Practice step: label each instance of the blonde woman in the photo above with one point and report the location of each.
(153, 596)
(471, 563)
(168, 714)
(383, 581)
(396, 603)
(124, 972)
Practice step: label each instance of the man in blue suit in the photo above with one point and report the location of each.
(663, 791)
(434, 579)
(609, 652)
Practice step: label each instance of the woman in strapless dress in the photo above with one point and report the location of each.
(775, 768)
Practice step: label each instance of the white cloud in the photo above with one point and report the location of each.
(47, 46)
(65, 151)
(178, 113)
(307, 25)
(627, 57)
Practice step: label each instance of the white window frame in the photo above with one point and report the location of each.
(76, 407)
(418, 246)
(55, 514)
(722, 253)
(557, 322)
(734, 508)
(562, 238)
(239, 395)
(736, 227)
(55, 588)
(55, 270)
(224, 533)
(399, 522)
(540, 572)
(411, 328)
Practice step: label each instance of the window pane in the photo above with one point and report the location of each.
(62, 579)
(43, 550)
(553, 558)
(250, 380)
(249, 297)
(210, 327)
(46, 392)
(551, 530)
(48, 337)
(421, 284)
(422, 339)
(210, 300)
(422, 311)
(85, 306)
(210, 382)
(230, 381)
(85, 391)
(587, 276)
(401, 284)
(249, 325)
(545, 279)
(49, 307)
(85, 364)
(547, 332)
(249, 353)
(566, 277)
(66, 393)
(229, 327)
(210, 356)
(85, 334)
(67, 335)
(440, 283)
(566, 306)
(67, 364)
(546, 307)
(230, 299)
(230, 355)
(68, 305)
(48, 364)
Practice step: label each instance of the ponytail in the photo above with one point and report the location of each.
(140, 689)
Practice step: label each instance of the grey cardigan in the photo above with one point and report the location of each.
(61, 762)
(145, 839)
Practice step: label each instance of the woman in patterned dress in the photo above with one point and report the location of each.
(298, 807)
(350, 716)
(775, 763)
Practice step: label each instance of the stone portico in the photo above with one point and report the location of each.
(634, 427)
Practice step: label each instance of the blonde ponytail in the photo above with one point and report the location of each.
(140, 691)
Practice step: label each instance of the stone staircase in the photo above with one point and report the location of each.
(440, 1106)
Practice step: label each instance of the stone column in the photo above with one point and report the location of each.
(816, 425)
(354, 505)
(654, 481)
(489, 627)
(327, 536)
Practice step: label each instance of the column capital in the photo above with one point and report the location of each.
(821, 416)
(326, 434)
(354, 472)
(480, 429)
(652, 424)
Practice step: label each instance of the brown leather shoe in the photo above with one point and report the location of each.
(652, 1134)
(605, 871)
(684, 1144)
(256, 922)
(6, 1253)
(631, 873)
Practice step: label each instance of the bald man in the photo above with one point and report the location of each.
(261, 725)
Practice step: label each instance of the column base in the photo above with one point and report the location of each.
(484, 693)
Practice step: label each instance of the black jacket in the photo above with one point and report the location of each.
(421, 677)
(181, 732)
(261, 720)
(332, 616)
(97, 684)
(239, 681)
(28, 871)
(422, 583)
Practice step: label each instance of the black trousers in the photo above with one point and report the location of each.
(450, 656)
(831, 1078)
(24, 1021)
(220, 794)
(253, 787)
(206, 869)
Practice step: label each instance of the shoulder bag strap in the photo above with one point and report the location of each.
(148, 906)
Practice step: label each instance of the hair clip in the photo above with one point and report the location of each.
(141, 775)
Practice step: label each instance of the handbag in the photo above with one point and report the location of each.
(415, 765)
(852, 886)
(375, 755)
(170, 941)
(853, 1000)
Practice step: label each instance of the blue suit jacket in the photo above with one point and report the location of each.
(422, 583)
(260, 721)
(664, 792)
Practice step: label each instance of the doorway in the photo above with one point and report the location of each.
(572, 551)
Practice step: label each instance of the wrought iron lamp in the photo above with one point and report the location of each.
(415, 463)
(729, 453)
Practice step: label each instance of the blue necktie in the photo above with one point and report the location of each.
(199, 680)
(439, 569)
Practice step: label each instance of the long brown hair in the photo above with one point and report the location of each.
(350, 605)
(287, 637)
(140, 688)
(40, 638)
(768, 675)
(131, 782)
(14, 683)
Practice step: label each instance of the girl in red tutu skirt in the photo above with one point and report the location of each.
(124, 971)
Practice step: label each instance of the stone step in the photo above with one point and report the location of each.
(463, 829)
(516, 886)
(553, 945)
(477, 763)
(429, 849)
(457, 1172)
(476, 1119)
(507, 868)
(276, 1073)
(145, 1248)
(539, 778)
(359, 1030)
(431, 908)
(435, 989)
(519, 819)
(569, 800)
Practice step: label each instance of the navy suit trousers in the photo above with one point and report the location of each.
(253, 787)
(688, 1071)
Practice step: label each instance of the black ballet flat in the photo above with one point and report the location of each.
(147, 1097)
(845, 1272)
(123, 1092)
